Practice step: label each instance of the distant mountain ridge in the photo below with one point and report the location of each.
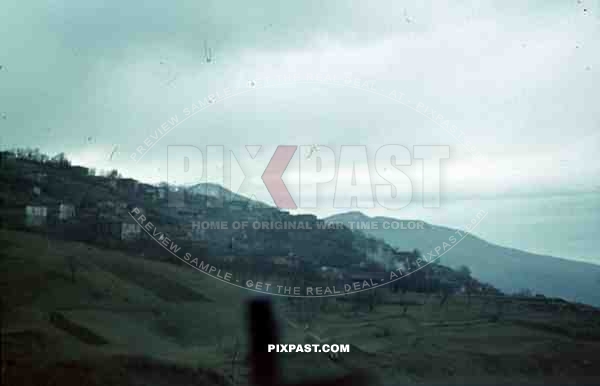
(217, 191)
(507, 269)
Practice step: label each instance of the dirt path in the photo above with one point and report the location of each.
(456, 323)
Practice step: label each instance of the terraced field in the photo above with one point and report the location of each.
(73, 313)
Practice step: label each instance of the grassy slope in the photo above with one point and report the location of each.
(125, 320)
(141, 308)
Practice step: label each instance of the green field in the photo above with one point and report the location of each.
(74, 313)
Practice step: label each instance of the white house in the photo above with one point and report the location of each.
(39, 177)
(130, 231)
(35, 215)
(65, 211)
(151, 192)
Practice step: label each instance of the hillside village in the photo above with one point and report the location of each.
(50, 195)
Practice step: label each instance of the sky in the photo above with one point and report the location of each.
(517, 79)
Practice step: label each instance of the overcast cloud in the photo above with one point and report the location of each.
(519, 79)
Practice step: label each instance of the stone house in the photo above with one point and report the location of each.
(66, 211)
(130, 231)
(118, 230)
(129, 186)
(111, 209)
(331, 273)
(151, 193)
(36, 215)
(377, 277)
(39, 177)
(290, 261)
(155, 193)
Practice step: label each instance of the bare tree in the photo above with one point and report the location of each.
(467, 281)
(374, 298)
(71, 262)
(234, 361)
